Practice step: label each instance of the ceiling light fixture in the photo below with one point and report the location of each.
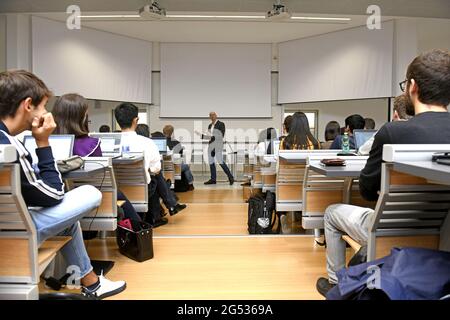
(212, 16)
(111, 16)
(321, 18)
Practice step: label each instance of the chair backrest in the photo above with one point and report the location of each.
(409, 206)
(290, 176)
(169, 169)
(18, 236)
(131, 181)
(320, 191)
(104, 218)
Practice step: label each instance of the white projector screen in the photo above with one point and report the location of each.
(351, 64)
(233, 80)
(96, 64)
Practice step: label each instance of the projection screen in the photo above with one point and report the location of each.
(96, 64)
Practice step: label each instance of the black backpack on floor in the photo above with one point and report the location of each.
(182, 185)
(261, 217)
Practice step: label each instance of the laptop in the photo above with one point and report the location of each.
(362, 136)
(62, 146)
(110, 143)
(161, 143)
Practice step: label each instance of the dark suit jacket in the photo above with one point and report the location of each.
(218, 133)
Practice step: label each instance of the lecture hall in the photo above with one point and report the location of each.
(224, 150)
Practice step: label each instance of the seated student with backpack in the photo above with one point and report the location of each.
(71, 116)
(427, 86)
(23, 99)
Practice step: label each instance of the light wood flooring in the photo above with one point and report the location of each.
(205, 253)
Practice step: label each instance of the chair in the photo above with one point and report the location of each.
(131, 181)
(410, 211)
(169, 169)
(104, 218)
(21, 260)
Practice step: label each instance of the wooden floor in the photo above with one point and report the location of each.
(205, 252)
(219, 268)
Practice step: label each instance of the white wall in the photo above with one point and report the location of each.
(2, 43)
(405, 50)
(433, 34)
(376, 109)
(18, 41)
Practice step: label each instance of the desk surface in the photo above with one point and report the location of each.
(89, 169)
(425, 169)
(352, 169)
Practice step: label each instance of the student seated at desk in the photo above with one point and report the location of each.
(300, 136)
(127, 117)
(104, 128)
(369, 124)
(401, 105)
(265, 142)
(427, 86)
(353, 122)
(176, 147)
(332, 130)
(71, 116)
(286, 126)
(23, 99)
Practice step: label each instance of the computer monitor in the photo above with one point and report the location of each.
(161, 143)
(110, 143)
(62, 146)
(362, 136)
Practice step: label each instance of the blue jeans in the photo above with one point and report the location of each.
(187, 173)
(63, 220)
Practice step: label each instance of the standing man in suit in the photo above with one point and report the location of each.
(215, 135)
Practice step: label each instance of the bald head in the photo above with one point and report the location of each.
(213, 116)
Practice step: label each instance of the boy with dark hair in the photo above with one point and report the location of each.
(427, 86)
(353, 122)
(23, 99)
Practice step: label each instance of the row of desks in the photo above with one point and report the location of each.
(424, 169)
(94, 168)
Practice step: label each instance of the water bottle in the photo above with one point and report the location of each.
(125, 151)
(345, 143)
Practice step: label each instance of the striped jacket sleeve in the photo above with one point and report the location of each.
(42, 186)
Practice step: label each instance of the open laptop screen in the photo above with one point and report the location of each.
(62, 146)
(110, 143)
(362, 136)
(161, 143)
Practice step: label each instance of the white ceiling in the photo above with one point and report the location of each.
(214, 31)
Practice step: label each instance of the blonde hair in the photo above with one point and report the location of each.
(168, 130)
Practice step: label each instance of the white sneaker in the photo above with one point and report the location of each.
(105, 289)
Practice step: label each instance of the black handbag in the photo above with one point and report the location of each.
(136, 244)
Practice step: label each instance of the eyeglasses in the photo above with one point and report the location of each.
(403, 85)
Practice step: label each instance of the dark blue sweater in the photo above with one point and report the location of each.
(40, 188)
